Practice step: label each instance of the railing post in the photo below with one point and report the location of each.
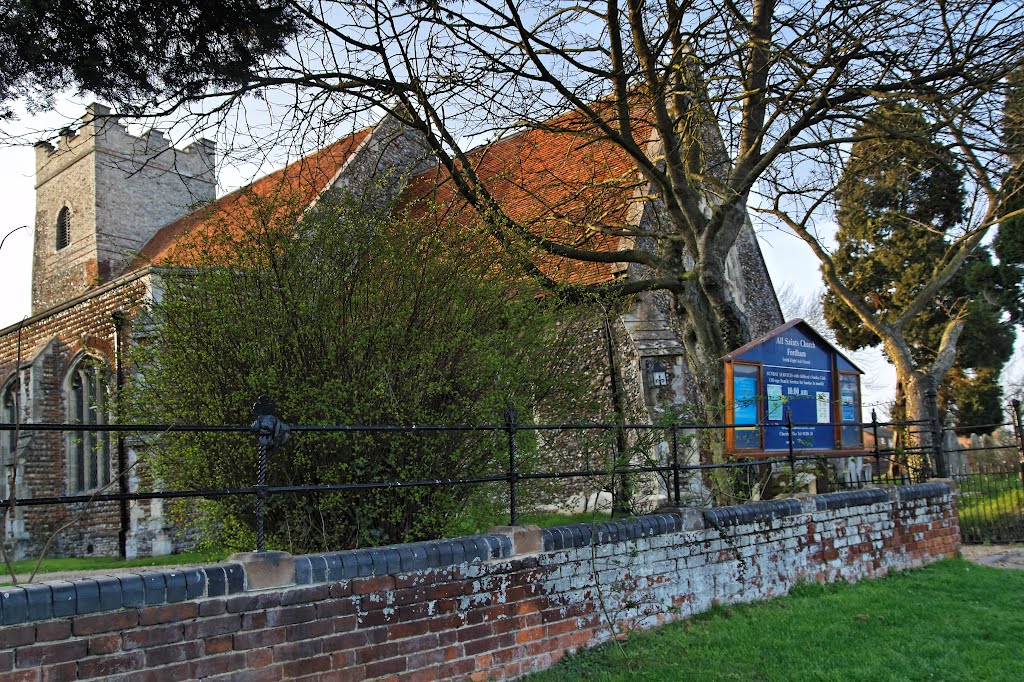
(874, 431)
(675, 462)
(931, 395)
(1018, 429)
(792, 454)
(271, 433)
(513, 473)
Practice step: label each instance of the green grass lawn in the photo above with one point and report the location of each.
(951, 621)
(109, 563)
(473, 524)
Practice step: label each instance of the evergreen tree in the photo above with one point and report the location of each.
(133, 54)
(900, 196)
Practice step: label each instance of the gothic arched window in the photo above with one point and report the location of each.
(8, 439)
(88, 451)
(63, 228)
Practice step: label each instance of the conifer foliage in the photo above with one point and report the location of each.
(133, 54)
(900, 204)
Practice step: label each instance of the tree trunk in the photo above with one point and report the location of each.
(711, 325)
(919, 439)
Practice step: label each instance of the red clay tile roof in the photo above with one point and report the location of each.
(560, 185)
(303, 180)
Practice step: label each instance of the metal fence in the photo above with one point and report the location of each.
(903, 462)
(991, 503)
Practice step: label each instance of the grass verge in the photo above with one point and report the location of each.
(111, 563)
(951, 621)
(473, 524)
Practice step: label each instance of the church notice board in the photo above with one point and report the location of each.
(791, 369)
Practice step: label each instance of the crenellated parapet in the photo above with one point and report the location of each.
(101, 194)
(101, 130)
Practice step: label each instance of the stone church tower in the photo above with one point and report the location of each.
(101, 194)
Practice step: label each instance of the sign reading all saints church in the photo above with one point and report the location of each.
(791, 383)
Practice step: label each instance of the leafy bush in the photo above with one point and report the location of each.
(342, 316)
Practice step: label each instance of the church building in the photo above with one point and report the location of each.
(110, 208)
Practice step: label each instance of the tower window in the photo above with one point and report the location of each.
(63, 228)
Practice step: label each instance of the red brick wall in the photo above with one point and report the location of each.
(495, 619)
(61, 336)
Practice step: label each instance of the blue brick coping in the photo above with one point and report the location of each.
(853, 498)
(922, 491)
(585, 534)
(416, 556)
(59, 598)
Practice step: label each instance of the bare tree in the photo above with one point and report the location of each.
(719, 107)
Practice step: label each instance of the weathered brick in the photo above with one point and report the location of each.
(335, 607)
(22, 676)
(174, 653)
(212, 607)
(346, 674)
(259, 658)
(254, 620)
(454, 669)
(104, 644)
(390, 666)
(105, 622)
(304, 595)
(111, 665)
(400, 630)
(383, 583)
(259, 638)
(317, 664)
(342, 589)
(51, 652)
(346, 640)
(475, 632)
(291, 614)
(17, 635)
(216, 625)
(218, 644)
(53, 630)
(489, 643)
(269, 673)
(293, 651)
(153, 635)
(240, 603)
(167, 613)
(217, 665)
(62, 672)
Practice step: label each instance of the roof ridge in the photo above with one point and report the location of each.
(171, 231)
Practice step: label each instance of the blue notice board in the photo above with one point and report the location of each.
(799, 372)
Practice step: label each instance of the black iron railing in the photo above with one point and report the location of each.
(898, 464)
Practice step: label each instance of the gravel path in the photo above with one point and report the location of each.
(1000, 556)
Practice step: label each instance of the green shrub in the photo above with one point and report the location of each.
(342, 316)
